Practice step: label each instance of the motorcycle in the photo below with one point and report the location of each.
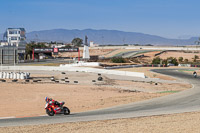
(195, 75)
(52, 108)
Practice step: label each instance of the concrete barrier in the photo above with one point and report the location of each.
(74, 69)
(11, 75)
(1, 75)
(4, 75)
(7, 75)
(14, 76)
(18, 75)
(22, 75)
(81, 63)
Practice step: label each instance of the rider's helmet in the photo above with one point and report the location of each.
(46, 99)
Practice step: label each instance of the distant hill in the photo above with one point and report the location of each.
(105, 37)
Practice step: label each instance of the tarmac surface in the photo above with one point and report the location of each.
(185, 101)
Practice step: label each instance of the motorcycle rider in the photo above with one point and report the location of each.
(53, 101)
(195, 74)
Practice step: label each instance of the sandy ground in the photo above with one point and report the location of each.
(93, 52)
(176, 54)
(148, 73)
(84, 96)
(175, 123)
(28, 99)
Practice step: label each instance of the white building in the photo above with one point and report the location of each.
(15, 37)
(3, 43)
(93, 45)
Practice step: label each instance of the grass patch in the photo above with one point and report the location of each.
(187, 70)
(168, 91)
(48, 64)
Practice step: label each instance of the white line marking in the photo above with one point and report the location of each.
(7, 117)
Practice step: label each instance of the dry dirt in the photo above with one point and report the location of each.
(148, 73)
(93, 52)
(28, 99)
(175, 123)
(176, 54)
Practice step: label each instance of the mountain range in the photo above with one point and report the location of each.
(104, 37)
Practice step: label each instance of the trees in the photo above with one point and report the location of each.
(195, 58)
(118, 60)
(170, 60)
(186, 60)
(30, 46)
(77, 42)
(180, 59)
(156, 60)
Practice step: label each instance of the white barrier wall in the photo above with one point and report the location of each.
(163, 48)
(81, 63)
(11, 75)
(73, 68)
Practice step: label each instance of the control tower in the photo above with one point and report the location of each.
(86, 54)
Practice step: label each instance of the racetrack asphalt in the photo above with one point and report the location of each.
(185, 101)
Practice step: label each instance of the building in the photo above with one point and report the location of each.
(8, 55)
(15, 36)
(93, 45)
(3, 43)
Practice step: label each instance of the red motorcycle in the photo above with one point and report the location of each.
(52, 108)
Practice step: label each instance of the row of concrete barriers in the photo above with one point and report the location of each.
(14, 75)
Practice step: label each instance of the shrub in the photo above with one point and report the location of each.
(156, 60)
(118, 60)
(186, 60)
(172, 60)
(180, 59)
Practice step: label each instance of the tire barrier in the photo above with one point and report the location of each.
(100, 78)
(52, 78)
(154, 65)
(13, 75)
(37, 80)
(194, 65)
(3, 80)
(63, 73)
(14, 80)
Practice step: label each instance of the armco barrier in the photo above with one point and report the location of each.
(194, 65)
(153, 65)
(72, 68)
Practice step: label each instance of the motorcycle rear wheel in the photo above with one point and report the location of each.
(66, 111)
(50, 113)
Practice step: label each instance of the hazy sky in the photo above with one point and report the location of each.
(167, 18)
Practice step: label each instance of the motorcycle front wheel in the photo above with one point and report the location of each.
(66, 111)
(50, 113)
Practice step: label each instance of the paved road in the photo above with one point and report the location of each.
(185, 101)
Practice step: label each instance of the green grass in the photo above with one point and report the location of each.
(185, 70)
(47, 64)
(168, 91)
